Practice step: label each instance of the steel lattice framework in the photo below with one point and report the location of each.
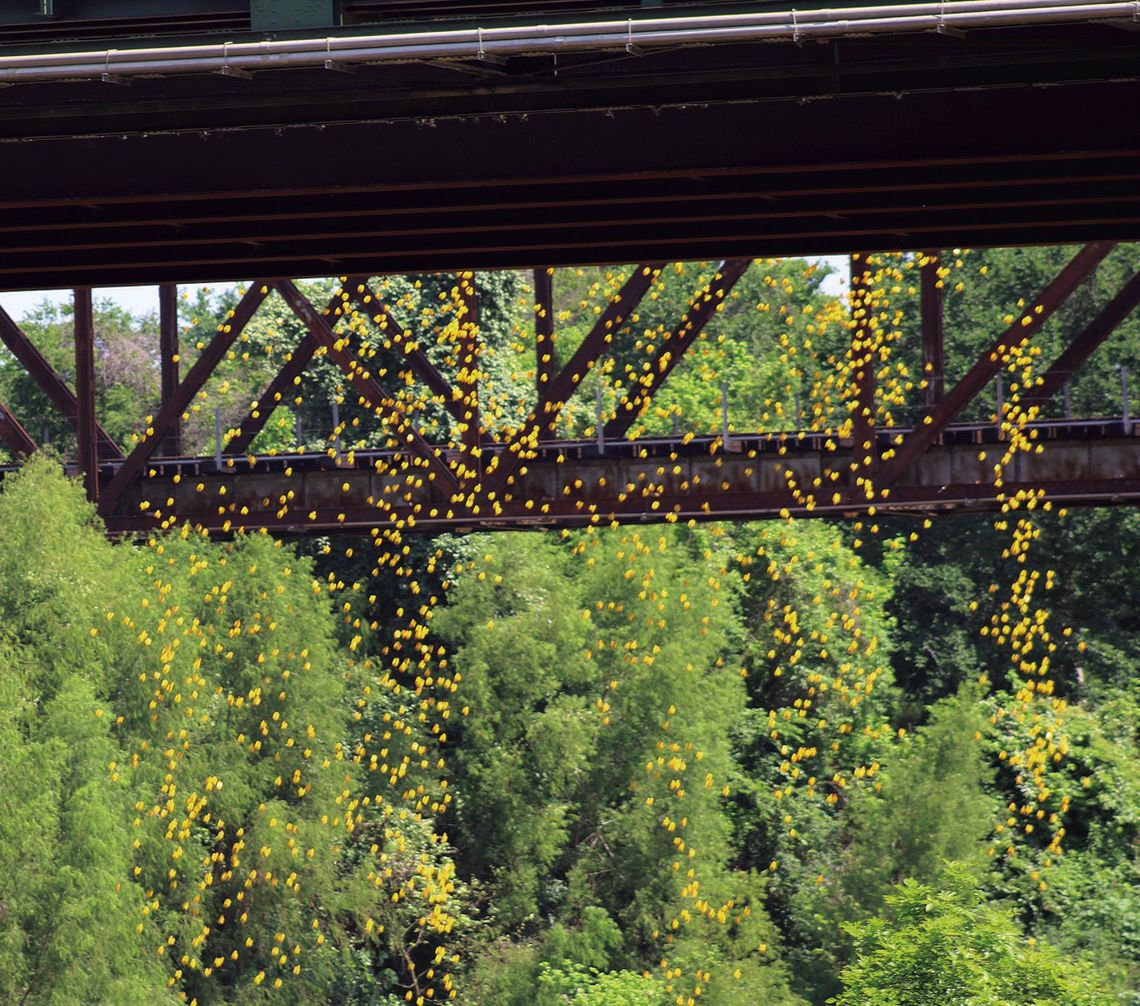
(533, 479)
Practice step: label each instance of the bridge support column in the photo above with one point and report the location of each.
(933, 358)
(168, 351)
(863, 452)
(85, 428)
(545, 368)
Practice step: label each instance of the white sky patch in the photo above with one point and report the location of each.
(138, 300)
(142, 300)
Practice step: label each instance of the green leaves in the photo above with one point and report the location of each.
(943, 946)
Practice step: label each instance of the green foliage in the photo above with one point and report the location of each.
(589, 987)
(946, 947)
(148, 698)
(576, 793)
(67, 915)
(929, 806)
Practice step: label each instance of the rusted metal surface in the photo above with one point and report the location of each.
(273, 396)
(173, 407)
(864, 450)
(541, 423)
(653, 480)
(285, 379)
(545, 362)
(86, 433)
(372, 393)
(366, 299)
(14, 436)
(744, 149)
(169, 358)
(467, 375)
(529, 478)
(933, 335)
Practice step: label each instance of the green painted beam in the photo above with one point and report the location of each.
(286, 15)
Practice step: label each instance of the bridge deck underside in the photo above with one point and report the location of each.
(728, 151)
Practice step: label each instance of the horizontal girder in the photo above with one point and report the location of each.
(575, 483)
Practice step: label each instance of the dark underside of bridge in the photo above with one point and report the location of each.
(995, 137)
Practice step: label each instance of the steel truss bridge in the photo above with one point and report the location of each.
(215, 140)
(534, 480)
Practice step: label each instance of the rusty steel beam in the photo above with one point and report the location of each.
(173, 407)
(542, 421)
(985, 369)
(701, 309)
(545, 362)
(286, 377)
(467, 351)
(862, 189)
(372, 305)
(169, 358)
(86, 434)
(14, 436)
(933, 333)
(662, 479)
(49, 381)
(1085, 344)
(374, 395)
(864, 454)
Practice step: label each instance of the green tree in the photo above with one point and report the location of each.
(947, 947)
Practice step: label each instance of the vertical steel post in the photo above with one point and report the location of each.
(339, 444)
(599, 426)
(168, 352)
(933, 335)
(863, 367)
(469, 370)
(999, 398)
(85, 429)
(1126, 402)
(544, 371)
